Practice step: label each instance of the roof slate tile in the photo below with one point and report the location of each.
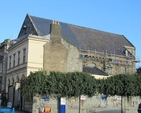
(85, 38)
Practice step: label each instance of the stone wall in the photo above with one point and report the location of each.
(73, 61)
(63, 56)
(59, 54)
(96, 104)
(55, 57)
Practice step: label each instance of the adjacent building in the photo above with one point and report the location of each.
(3, 64)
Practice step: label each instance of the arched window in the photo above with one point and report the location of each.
(92, 65)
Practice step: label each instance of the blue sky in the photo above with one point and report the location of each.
(116, 16)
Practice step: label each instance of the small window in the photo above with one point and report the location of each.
(116, 61)
(19, 58)
(14, 60)
(24, 55)
(9, 62)
(13, 81)
(8, 81)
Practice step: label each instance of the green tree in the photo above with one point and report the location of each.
(138, 85)
(102, 86)
(58, 84)
(122, 84)
(78, 83)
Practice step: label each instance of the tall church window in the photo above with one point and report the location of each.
(122, 70)
(109, 69)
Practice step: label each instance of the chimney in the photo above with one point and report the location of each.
(56, 28)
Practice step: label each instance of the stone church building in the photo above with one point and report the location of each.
(56, 46)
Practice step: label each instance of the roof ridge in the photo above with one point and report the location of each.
(97, 30)
(79, 26)
(128, 41)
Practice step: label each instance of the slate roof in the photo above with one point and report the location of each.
(94, 70)
(85, 38)
(43, 27)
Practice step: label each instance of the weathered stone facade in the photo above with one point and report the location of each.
(111, 63)
(74, 63)
(55, 56)
(60, 55)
